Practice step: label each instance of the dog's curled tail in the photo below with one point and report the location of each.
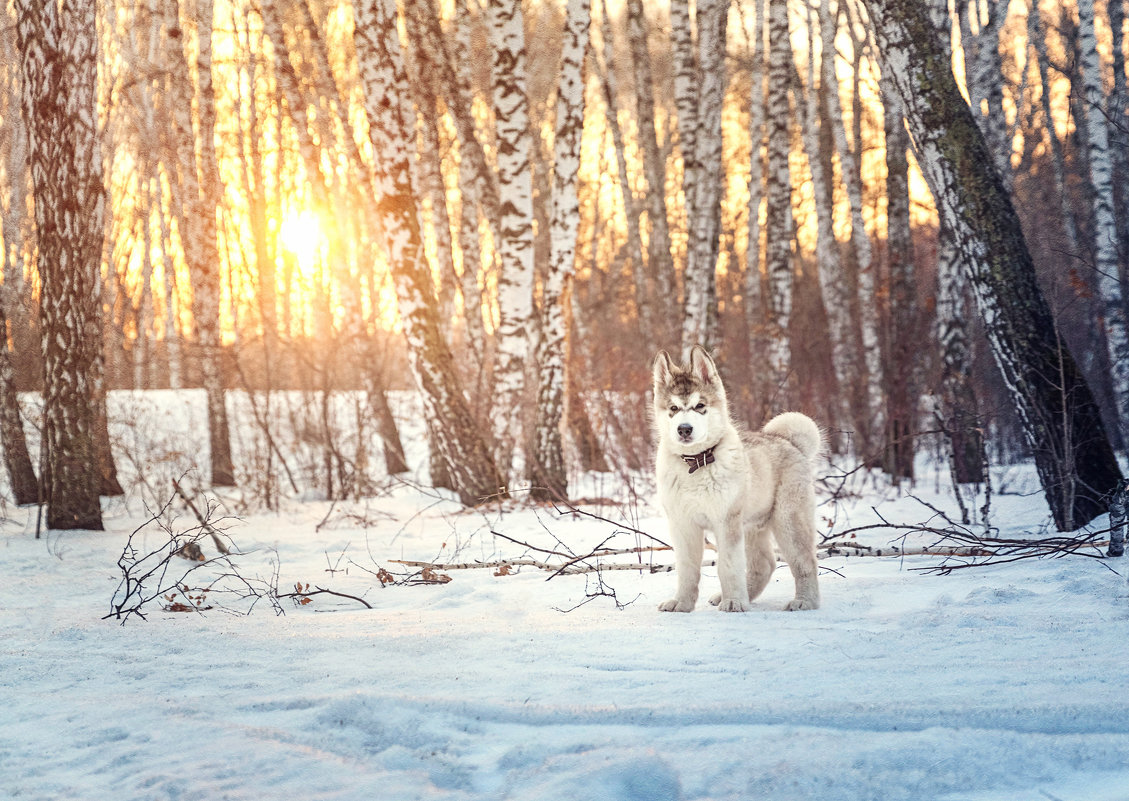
(800, 430)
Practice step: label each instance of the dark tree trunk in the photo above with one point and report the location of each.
(901, 379)
(21, 474)
(1060, 418)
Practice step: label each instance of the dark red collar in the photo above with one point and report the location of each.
(699, 460)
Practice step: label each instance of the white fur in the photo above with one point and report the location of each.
(758, 489)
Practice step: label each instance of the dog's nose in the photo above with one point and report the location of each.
(685, 430)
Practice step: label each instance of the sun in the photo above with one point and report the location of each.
(300, 234)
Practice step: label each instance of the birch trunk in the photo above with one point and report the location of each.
(699, 324)
(59, 58)
(472, 470)
(1037, 37)
(686, 82)
(199, 184)
(547, 469)
(959, 416)
(956, 408)
(644, 300)
(660, 264)
(470, 201)
(1061, 421)
(778, 222)
(984, 75)
(21, 474)
(903, 384)
(753, 299)
(1117, 112)
(867, 300)
(1106, 260)
(515, 229)
(833, 283)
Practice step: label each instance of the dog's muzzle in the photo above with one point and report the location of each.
(685, 432)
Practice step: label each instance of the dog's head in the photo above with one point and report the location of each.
(691, 411)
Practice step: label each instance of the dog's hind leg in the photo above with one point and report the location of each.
(761, 560)
(795, 535)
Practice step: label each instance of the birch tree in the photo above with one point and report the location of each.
(699, 325)
(902, 379)
(471, 468)
(21, 474)
(59, 60)
(515, 227)
(1106, 260)
(984, 71)
(870, 358)
(547, 474)
(605, 67)
(1060, 419)
(778, 182)
(956, 407)
(753, 295)
(686, 78)
(199, 185)
(660, 263)
(833, 284)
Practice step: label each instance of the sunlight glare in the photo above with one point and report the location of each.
(301, 235)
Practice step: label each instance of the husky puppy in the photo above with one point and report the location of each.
(748, 489)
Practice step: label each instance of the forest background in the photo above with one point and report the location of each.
(511, 206)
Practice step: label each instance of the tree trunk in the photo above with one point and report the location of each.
(778, 223)
(515, 229)
(833, 284)
(699, 324)
(59, 57)
(643, 286)
(547, 474)
(958, 413)
(984, 76)
(199, 183)
(473, 472)
(867, 395)
(752, 284)
(1038, 41)
(1106, 260)
(660, 264)
(21, 474)
(686, 78)
(901, 338)
(1061, 421)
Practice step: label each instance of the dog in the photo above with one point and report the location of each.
(748, 489)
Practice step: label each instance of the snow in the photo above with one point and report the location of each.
(1001, 682)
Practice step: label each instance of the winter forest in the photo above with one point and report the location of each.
(343, 314)
(510, 207)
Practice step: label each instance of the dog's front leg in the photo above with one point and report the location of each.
(731, 567)
(688, 546)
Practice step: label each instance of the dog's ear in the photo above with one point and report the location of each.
(702, 365)
(663, 369)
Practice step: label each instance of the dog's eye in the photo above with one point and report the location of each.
(674, 410)
(701, 407)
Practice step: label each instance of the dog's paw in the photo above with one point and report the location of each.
(732, 605)
(675, 605)
(715, 599)
(800, 604)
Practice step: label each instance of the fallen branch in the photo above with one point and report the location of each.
(204, 524)
(305, 594)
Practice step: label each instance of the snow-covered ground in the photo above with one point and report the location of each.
(1004, 682)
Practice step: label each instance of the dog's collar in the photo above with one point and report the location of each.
(699, 460)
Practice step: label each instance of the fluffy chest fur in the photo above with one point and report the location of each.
(714, 494)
